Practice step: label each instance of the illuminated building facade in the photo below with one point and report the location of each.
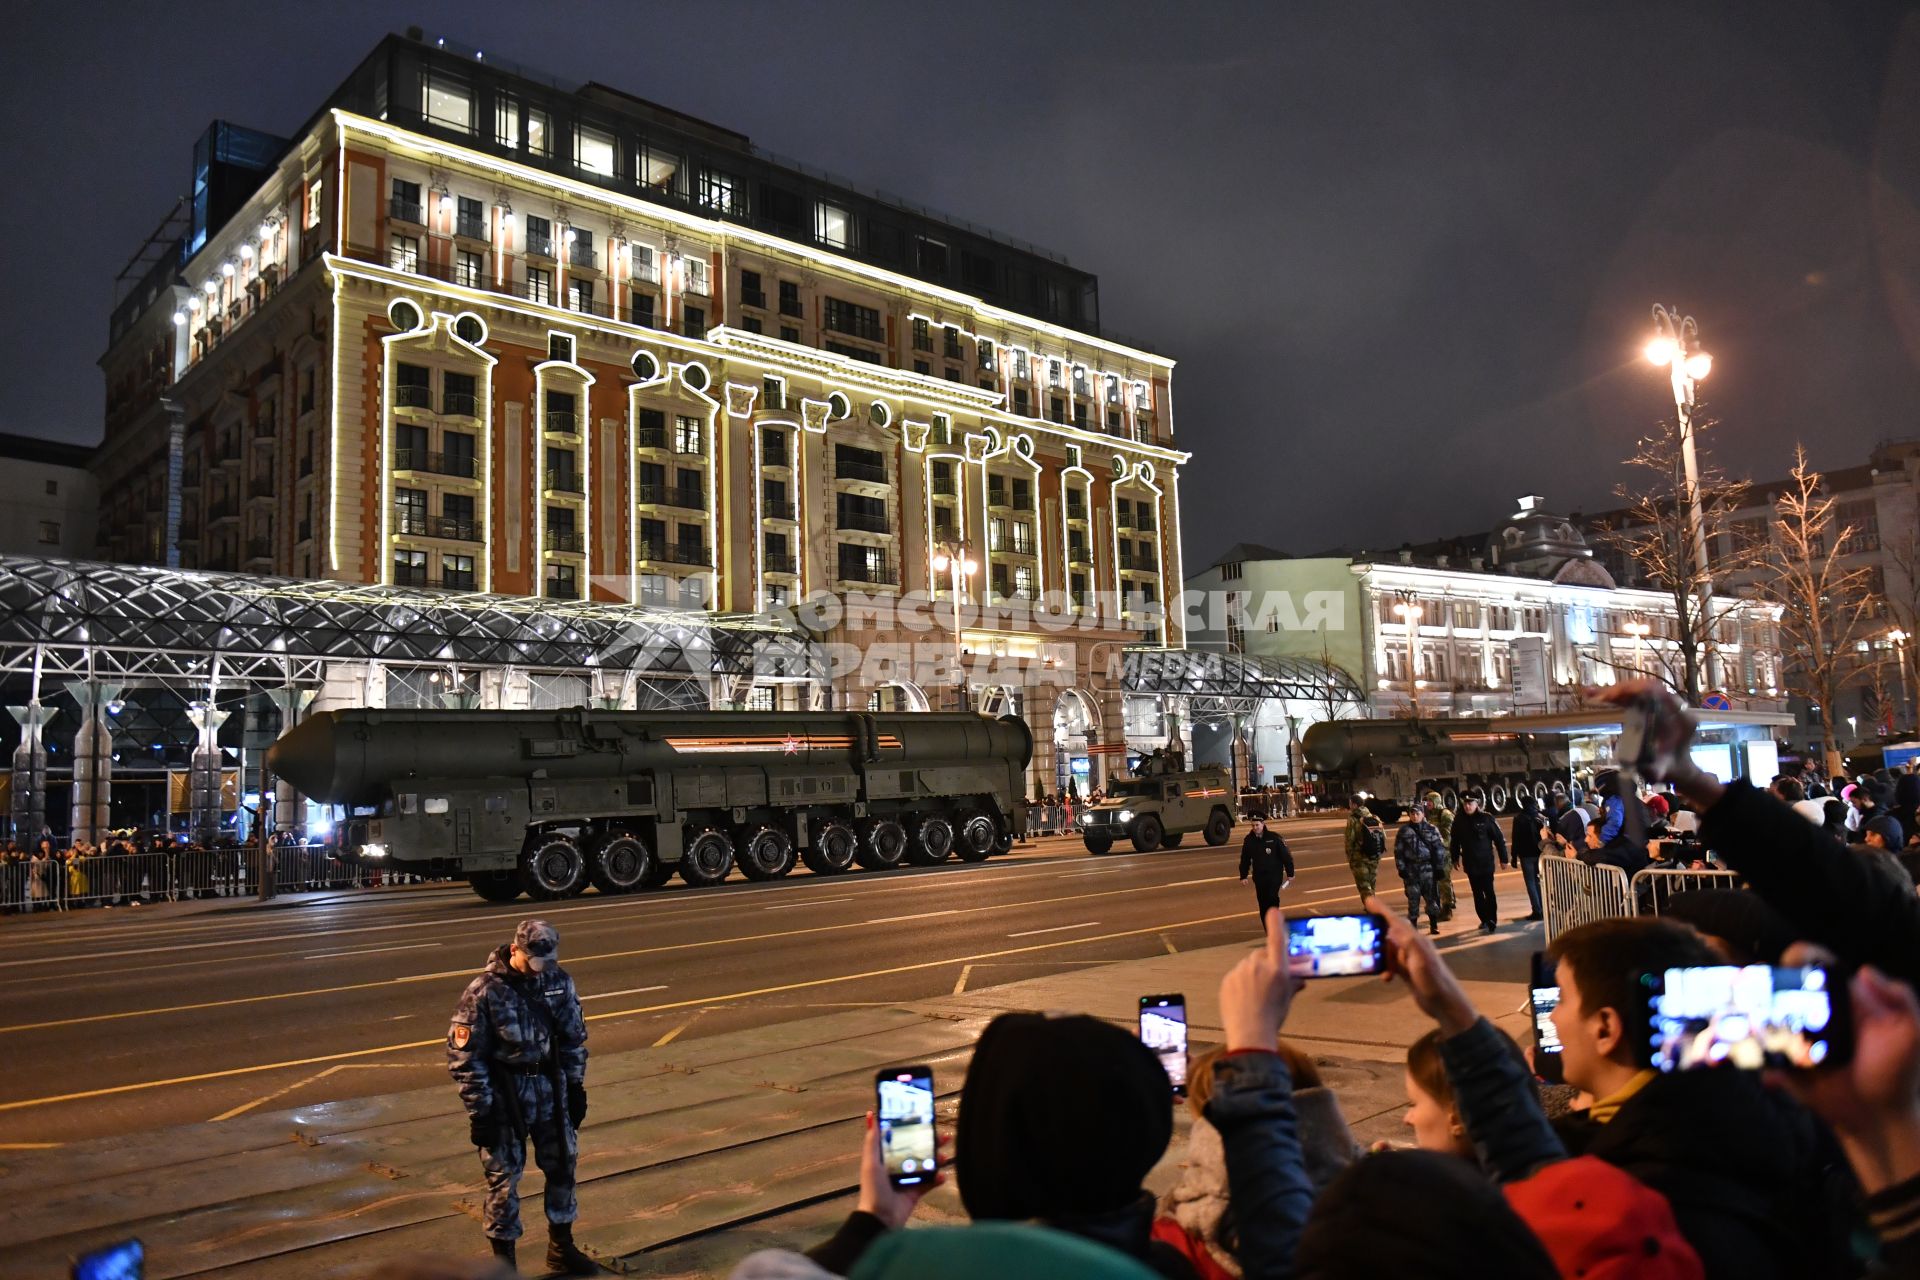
(470, 330)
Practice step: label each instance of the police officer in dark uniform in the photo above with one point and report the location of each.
(1265, 856)
(518, 1051)
(1475, 841)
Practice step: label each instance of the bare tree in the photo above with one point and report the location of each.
(1657, 534)
(1825, 606)
(1902, 590)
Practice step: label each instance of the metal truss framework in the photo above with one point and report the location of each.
(1232, 684)
(141, 626)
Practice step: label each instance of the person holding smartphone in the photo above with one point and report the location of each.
(1265, 857)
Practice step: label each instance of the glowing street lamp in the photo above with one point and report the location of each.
(955, 557)
(1675, 346)
(1639, 631)
(1408, 611)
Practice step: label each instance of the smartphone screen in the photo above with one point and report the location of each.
(904, 1108)
(1544, 995)
(124, 1261)
(1335, 946)
(1163, 1029)
(1746, 1017)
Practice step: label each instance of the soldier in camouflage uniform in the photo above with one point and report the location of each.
(1442, 819)
(1363, 859)
(518, 1051)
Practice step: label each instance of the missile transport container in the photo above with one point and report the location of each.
(547, 802)
(1395, 762)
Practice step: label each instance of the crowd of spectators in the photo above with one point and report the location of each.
(1715, 1173)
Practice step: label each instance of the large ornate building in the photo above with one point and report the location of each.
(470, 331)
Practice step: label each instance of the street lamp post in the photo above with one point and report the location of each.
(955, 557)
(1408, 611)
(1899, 639)
(1676, 346)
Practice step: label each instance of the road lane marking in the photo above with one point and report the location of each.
(961, 985)
(1171, 949)
(369, 951)
(1059, 928)
(245, 1107)
(437, 1041)
(630, 991)
(575, 961)
(811, 902)
(669, 1037)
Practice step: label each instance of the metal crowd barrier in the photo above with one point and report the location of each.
(181, 874)
(1573, 893)
(1656, 887)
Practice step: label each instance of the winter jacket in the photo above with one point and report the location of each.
(1199, 1203)
(1267, 858)
(1440, 816)
(1357, 822)
(1418, 854)
(1754, 1188)
(1526, 833)
(497, 1021)
(1476, 838)
(1572, 826)
(1252, 1107)
(1826, 891)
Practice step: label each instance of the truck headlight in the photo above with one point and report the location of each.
(1125, 815)
(373, 851)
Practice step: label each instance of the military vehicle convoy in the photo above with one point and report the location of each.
(548, 802)
(1159, 805)
(1395, 762)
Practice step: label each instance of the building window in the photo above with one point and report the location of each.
(921, 366)
(410, 568)
(716, 191)
(539, 285)
(405, 205)
(53, 488)
(1054, 373)
(750, 294)
(693, 275)
(580, 251)
(1056, 409)
(774, 392)
(694, 322)
(580, 296)
(469, 269)
(922, 335)
(412, 387)
(506, 121)
(403, 253)
(686, 434)
(539, 136)
(314, 202)
(930, 257)
(952, 340)
(539, 236)
(1073, 455)
(831, 225)
(853, 319)
(470, 219)
(789, 334)
(657, 169)
(750, 323)
(456, 573)
(446, 102)
(641, 258)
(560, 347)
(985, 349)
(789, 299)
(643, 309)
(593, 151)
(1020, 403)
(49, 532)
(773, 447)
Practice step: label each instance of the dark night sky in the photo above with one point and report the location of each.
(1403, 251)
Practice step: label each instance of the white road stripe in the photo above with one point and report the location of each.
(630, 991)
(810, 902)
(368, 951)
(924, 915)
(1059, 928)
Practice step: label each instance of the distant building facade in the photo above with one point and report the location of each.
(49, 502)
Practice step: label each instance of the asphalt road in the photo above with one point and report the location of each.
(113, 1022)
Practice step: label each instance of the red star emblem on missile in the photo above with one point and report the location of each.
(792, 745)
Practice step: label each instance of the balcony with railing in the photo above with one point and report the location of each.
(1077, 553)
(669, 495)
(564, 481)
(1076, 507)
(791, 307)
(663, 552)
(781, 562)
(565, 422)
(565, 541)
(845, 468)
(753, 298)
(862, 521)
(470, 228)
(538, 246)
(946, 487)
(876, 574)
(562, 589)
(1132, 563)
(406, 211)
(580, 256)
(414, 523)
(456, 580)
(776, 509)
(433, 462)
(412, 395)
(652, 438)
(460, 404)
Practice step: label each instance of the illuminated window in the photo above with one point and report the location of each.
(643, 268)
(716, 191)
(831, 225)
(506, 122)
(538, 135)
(313, 203)
(447, 102)
(539, 285)
(593, 150)
(694, 275)
(657, 169)
(686, 434)
(403, 253)
(469, 269)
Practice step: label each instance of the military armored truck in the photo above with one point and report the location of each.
(1159, 805)
(548, 802)
(1395, 762)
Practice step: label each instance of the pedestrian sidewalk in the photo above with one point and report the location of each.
(693, 1155)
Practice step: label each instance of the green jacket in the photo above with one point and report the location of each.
(1440, 816)
(1357, 821)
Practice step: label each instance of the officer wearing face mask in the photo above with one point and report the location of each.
(518, 1051)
